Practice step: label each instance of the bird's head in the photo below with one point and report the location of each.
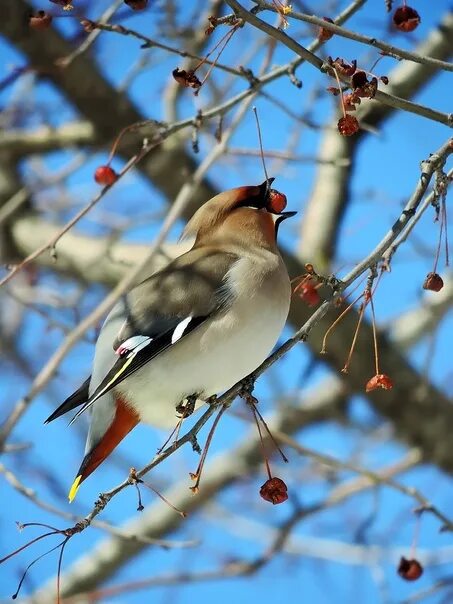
(253, 212)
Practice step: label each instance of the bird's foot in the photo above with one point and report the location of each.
(212, 400)
(248, 385)
(187, 406)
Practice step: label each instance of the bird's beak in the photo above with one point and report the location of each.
(284, 215)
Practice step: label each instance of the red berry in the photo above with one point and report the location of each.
(406, 18)
(410, 570)
(276, 201)
(40, 21)
(380, 380)
(348, 125)
(105, 175)
(308, 292)
(433, 282)
(137, 4)
(325, 34)
(274, 490)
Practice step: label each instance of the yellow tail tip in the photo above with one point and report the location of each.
(74, 488)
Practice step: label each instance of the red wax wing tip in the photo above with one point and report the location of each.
(380, 380)
(274, 490)
(433, 282)
(276, 201)
(406, 19)
(105, 175)
(410, 570)
(40, 20)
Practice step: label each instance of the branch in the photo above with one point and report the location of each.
(159, 520)
(429, 167)
(20, 143)
(332, 182)
(341, 31)
(307, 55)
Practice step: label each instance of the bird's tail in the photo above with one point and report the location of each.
(124, 421)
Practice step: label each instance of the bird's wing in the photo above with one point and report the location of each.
(164, 309)
(76, 399)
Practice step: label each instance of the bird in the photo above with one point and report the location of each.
(191, 330)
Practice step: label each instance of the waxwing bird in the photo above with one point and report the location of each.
(193, 329)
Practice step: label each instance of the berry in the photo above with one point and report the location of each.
(276, 201)
(380, 380)
(40, 21)
(406, 19)
(325, 34)
(274, 490)
(186, 78)
(105, 175)
(137, 4)
(433, 282)
(410, 570)
(308, 292)
(348, 125)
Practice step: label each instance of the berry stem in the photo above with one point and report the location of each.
(445, 221)
(226, 38)
(335, 323)
(266, 461)
(375, 342)
(205, 450)
(341, 91)
(356, 333)
(271, 436)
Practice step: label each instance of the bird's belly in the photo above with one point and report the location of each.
(208, 361)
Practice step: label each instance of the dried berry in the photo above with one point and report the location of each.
(40, 20)
(276, 201)
(350, 101)
(410, 570)
(137, 4)
(343, 66)
(88, 25)
(66, 4)
(348, 125)
(105, 175)
(186, 78)
(359, 79)
(384, 80)
(333, 90)
(433, 282)
(380, 380)
(325, 34)
(406, 18)
(274, 490)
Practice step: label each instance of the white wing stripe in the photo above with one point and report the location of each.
(135, 344)
(180, 329)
